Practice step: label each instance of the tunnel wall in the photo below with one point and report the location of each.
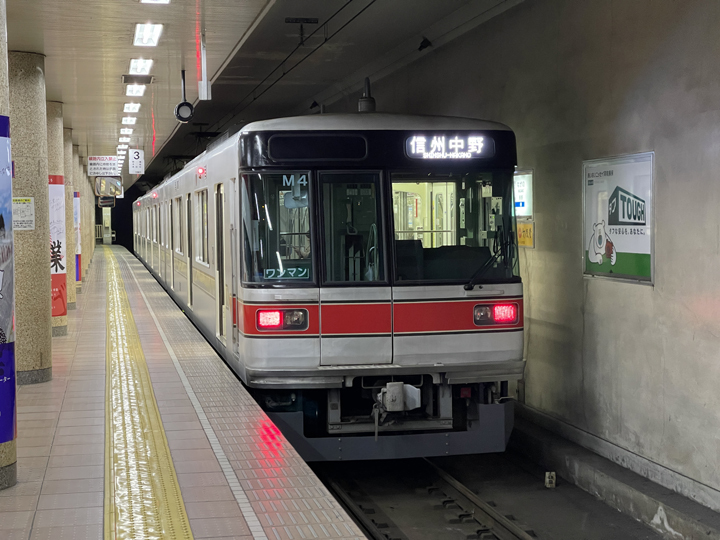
(635, 365)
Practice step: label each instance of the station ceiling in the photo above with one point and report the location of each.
(260, 65)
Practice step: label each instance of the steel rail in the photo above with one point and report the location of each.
(500, 526)
(368, 526)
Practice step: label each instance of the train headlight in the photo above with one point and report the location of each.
(282, 319)
(495, 314)
(295, 318)
(483, 315)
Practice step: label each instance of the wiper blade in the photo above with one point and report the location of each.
(480, 272)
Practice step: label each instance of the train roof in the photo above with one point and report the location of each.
(371, 122)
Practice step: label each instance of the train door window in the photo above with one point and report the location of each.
(201, 229)
(177, 226)
(154, 224)
(220, 256)
(353, 246)
(160, 225)
(276, 227)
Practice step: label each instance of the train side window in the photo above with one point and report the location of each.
(154, 224)
(352, 227)
(276, 227)
(178, 235)
(201, 229)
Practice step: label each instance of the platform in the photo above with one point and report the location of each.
(145, 433)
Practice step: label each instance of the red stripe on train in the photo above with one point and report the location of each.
(345, 319)
(448, 316)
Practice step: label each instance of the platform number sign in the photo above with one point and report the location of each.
(136, 163)
(290, 180)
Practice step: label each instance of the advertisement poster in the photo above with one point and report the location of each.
(7, 301)
(618, 217)
(58, 261)
(76, 221)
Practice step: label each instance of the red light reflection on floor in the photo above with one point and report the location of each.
(270, 435)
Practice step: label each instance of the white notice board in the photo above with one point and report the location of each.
(23, 213)
(103, 166)
(523, 193)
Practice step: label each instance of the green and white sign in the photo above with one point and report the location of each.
(618, 217)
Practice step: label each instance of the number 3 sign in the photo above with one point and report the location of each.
(136, 163)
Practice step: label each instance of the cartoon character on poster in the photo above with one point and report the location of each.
(601, 245)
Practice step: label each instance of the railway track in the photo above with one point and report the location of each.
(443, 508)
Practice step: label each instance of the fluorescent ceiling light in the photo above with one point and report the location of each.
(147, 35)
(129, 120)
(154, 1)
(135, 90)
(126, 131)
(124, 139)
(122, 146)
(140, 66)
(131, 107)
(121, 152)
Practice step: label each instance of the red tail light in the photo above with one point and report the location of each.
(269, 320)
(489, 314)
(283, 319)
(505, 313)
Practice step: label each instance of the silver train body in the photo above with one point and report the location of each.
(357, 272)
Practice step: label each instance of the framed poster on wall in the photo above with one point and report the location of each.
(618, 219)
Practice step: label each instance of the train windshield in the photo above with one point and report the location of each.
(276, 223)
(451, 227)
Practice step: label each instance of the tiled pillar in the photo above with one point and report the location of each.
(56, 193)
(89, 220)
(69, 220)
(8, 389)
(32, 258)
(77, 186)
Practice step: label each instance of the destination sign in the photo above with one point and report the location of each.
(449, 146)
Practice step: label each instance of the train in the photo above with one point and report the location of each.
(358, 272)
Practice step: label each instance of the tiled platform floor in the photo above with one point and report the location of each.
(238, 475)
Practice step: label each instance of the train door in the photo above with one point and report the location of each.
(161, 238)
(153, 260)
(189, 236)
(171, 241)
(355, 297)
(234, 262)
(220, 293)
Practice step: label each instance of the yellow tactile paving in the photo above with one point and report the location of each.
(142, 495)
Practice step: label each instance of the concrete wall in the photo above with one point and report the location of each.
(638, 366)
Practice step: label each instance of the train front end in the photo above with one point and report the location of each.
(381, 308)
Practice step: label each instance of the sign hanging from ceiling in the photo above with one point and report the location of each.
(103, 166)
(136, 163)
